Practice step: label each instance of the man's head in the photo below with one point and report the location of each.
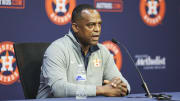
(86, 23)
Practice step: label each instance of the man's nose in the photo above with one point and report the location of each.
(97, 28)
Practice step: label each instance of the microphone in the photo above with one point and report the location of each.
(144, 85)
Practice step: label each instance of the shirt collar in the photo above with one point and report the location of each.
(73, 33)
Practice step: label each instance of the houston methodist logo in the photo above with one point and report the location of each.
(116, 52)
(152, 11)
(148, 63)
(60, 11)
(8, 68)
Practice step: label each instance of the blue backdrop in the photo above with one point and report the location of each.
(153, 45)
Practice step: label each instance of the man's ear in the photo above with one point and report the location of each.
(75, 27)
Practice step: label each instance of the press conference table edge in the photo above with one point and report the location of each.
(130, 97)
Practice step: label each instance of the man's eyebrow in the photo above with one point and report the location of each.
(95, 22)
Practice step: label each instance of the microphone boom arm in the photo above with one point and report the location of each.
(144, 85)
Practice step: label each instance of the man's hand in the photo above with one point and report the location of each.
(117, 85)
(108, 90)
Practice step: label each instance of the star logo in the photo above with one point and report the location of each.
(8, 68)
(7, 62)
(97, 62)
(60, 11)
(152, 11)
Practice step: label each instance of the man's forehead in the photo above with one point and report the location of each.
(89, 12)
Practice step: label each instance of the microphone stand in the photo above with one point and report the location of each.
(144, 85)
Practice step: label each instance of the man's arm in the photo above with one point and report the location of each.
(113, 75)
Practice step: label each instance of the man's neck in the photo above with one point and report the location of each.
(85, 48)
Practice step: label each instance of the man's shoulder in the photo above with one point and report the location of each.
(59, 41)
(103, 52)
(57, 45)
(103, 48)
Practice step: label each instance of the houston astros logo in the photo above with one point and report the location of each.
(116, 52)
(97, 62)
(60, 11)
(8, 68)
(152, 11)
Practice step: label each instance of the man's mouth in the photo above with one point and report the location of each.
(95, 37)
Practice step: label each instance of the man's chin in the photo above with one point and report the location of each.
(93, 43)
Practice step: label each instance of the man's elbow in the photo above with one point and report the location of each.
(58, 90)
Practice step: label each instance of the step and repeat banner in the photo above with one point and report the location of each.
(148, 28)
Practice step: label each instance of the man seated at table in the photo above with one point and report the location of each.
(80, 47)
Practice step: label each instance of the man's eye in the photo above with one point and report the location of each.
(90, 25)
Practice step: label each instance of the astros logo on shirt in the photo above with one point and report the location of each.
(116, 52)
(59, 11)
(152, 11)
(8, 68)
(97, 62)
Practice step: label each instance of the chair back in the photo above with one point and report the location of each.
(29, 58)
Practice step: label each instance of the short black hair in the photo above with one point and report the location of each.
(76, 14)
